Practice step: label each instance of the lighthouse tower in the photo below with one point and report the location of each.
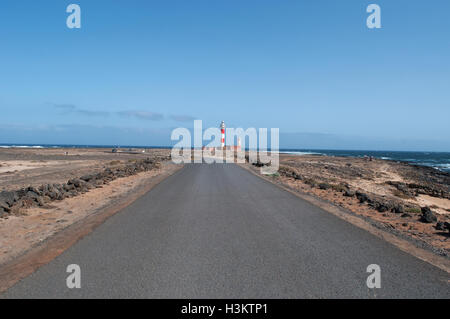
(222, 129)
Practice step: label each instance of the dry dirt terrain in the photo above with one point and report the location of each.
(43, 191)
(34, 167)
(408, 200)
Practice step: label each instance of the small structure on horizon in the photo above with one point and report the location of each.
(222, 129)
(222, 142)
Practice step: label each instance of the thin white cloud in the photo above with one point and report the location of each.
(182, 118)
(144, 115)
(139, 114)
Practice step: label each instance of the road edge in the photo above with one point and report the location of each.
(40, 255)
(403, 244)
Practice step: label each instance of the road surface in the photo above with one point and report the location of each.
(218, 231)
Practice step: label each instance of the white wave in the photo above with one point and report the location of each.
(21, 146)
(442, 165)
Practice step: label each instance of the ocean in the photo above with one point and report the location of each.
(37, 146)
(437, 160)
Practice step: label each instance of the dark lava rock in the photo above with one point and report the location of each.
(97, 182)
(53, 195)
(58, 187)
(46, 189)
(324, 186)
(398, 209)
(382, 208)
(349, 193)
(379, 205)
(8, 197)
(68, 187)
(34, 190)
(447, 225)
(257, 164)
(428, 215)
(440, 226)
(89, 185)
(32, 195)
(362, 197)
(4, 205)
(73, 193)
(88, 178)
(24, 203)
(76, 182)
(40, 201)
(406, 215)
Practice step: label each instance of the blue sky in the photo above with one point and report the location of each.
(138, 69)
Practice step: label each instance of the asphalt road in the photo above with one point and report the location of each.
(217, 231)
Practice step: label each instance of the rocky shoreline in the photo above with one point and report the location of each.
(381, 203)
(412, 201)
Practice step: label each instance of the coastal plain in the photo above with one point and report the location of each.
(57, 188)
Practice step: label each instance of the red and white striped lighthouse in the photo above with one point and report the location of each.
(222, 128)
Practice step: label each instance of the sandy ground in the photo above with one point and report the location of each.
(440, 205)
(22, 168)
(12, 167)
